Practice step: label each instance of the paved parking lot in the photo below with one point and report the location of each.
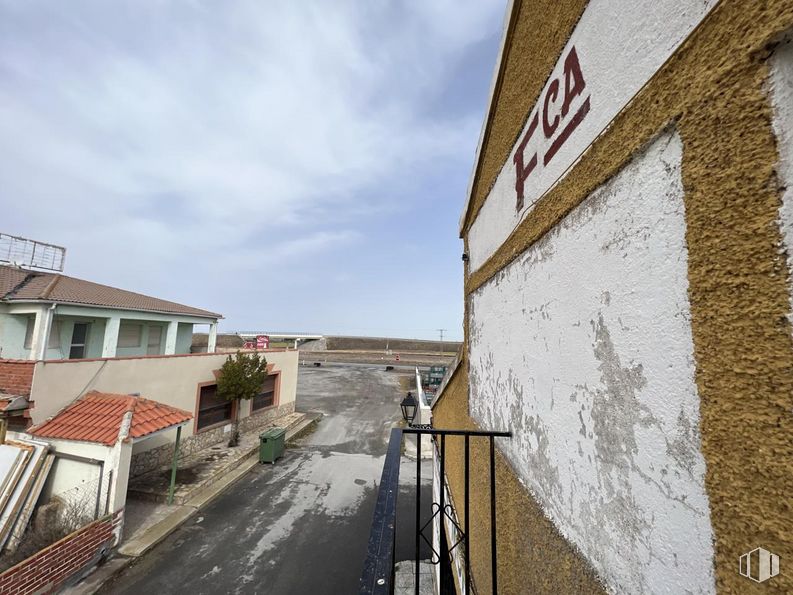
(302, 525)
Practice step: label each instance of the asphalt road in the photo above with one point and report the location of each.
(300, 526)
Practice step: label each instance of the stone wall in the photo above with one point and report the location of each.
(163, 455)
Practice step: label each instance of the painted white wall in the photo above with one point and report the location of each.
(423, 416)
(582, 347)
(121, 459)
(782, 98)
(76, 482)
(620, 44)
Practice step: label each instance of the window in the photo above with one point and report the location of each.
(155, 340)
(79, 340)
(129, 335)
(54, 341)
(212, 409)
(266, 398)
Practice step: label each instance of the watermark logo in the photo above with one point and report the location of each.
(759, 565)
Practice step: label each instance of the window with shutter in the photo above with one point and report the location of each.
(212, 410)
(266, 398)
(129, 335)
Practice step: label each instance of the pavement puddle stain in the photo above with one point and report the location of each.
(314, 504)
(317, 485)
(215, 570)
(339, 472)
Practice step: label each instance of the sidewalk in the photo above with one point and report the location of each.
(169, 518)
(197, 472)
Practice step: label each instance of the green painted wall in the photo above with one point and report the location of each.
(144, 340)
(12, 336)
(13, 328)
(65, 324)
(184, 338)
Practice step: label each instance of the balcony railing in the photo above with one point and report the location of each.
(377, 577)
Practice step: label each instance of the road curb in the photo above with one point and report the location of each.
(128, 552)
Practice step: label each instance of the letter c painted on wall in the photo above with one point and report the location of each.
(550, 127)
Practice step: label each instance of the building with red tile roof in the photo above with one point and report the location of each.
(102, 417)
(21, 285)
(45, 315)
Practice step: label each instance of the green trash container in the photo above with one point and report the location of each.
(271, 445)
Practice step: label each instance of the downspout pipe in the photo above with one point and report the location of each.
(42, 355)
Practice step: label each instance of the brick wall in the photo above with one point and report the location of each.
(65, 560)
(16, 376)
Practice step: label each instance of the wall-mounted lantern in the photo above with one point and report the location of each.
(409, 406)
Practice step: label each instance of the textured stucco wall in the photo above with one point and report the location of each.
(582, 347)
(715, 91)
(533, 557)
(620, 45)
(782, 94)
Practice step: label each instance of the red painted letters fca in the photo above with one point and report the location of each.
(552, 118)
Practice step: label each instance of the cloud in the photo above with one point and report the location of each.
(287, 250)
(163, 132)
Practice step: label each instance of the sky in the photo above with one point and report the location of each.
(295, 166)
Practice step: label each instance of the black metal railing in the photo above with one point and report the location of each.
(378, 572)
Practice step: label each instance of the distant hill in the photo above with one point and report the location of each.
(383, 343)
(338, 343)
(224, 341)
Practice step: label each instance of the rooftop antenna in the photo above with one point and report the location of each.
(31, 254)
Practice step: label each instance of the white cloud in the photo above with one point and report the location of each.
(167, 129)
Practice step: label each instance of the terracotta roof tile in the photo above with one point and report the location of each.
(97, 417)
(23, 285)
(10, 277)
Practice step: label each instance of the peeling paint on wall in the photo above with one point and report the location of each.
(782, 97)
(582, 347)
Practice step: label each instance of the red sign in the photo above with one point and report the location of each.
(262, 342)
(558, 121)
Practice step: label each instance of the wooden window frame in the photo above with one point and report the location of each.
(220, 424)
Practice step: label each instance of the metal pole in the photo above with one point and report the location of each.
(467, 508)
(493, 569)
(174, 464)
(418, 508)
(99, 489)
(107, 496)
(441, 513)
